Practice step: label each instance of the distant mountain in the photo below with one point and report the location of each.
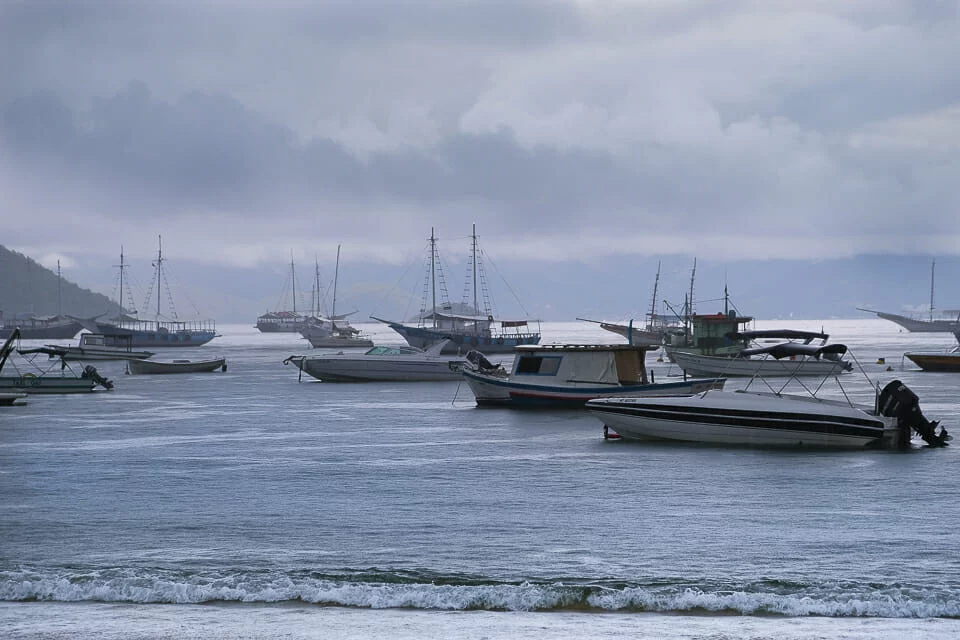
(28, 287)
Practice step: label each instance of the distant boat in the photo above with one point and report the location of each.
(283, 321)
(948, 321)
(176, 366)
(948, 361)
(157, 332)
(464, 331)
(334, 332)
(652, 334)
(48, 327)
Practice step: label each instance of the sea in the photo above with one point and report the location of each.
(256, 503)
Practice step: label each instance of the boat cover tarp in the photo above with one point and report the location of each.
(788, 349)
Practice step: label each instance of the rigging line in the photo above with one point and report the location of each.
(507, 284)
(410, 263)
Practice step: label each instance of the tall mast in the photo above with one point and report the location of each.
(316, 284)
(693, 274)
(60, 293)
(336, 274)
(932, 266)
(433, 277)
(159, 266)
(121, 266)
(293, 283)
(653, 304)
(476, 309)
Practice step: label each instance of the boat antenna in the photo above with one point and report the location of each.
(933, 265)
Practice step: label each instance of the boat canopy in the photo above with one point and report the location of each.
(788, 349)
(779, 334)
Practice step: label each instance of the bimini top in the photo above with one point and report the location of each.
(779, 334)
(788, 349)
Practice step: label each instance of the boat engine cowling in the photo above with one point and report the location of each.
(479, 362)
(898, 401)
(91, 373)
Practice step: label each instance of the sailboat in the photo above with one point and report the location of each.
(948, 322)
(336, 331)
(34, 327)
(283, 321)
(158, 332)
(465, 331)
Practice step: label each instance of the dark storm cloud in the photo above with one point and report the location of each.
(698, 126)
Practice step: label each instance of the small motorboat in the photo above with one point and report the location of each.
(31, 378)
(394, 364)
(176, 366)
(773, 419)
(947, 361)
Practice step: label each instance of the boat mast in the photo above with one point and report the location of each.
(932, 267)
(121, 266)
(59, 292)
(433, 278)
(159, 266)
(336, 274)
(653, 304)
(476, 309)
(293, 284)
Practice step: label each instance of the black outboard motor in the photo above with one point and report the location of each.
(479, 361)
(91, 373)
(898, 401)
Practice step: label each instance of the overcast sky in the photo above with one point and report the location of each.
(571, 130)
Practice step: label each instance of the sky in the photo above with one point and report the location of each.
(576, 134)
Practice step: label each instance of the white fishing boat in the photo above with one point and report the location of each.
(568, 375)
(773, 419)
(475, 330)
(382, 363)
(55, 377)
(98, 346)
(176, 366)
(804, 360)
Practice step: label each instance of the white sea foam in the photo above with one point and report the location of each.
(145, 587)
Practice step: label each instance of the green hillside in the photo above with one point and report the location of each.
(28, 287)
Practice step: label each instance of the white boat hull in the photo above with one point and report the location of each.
(742, 418)
(494, 390)
(378, 369)
(699, 365)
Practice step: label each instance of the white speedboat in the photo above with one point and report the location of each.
(785, 359)
(398, 364)
(773, 419)
(567, 375)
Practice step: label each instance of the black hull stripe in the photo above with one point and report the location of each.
(781, 422)
(742, 413)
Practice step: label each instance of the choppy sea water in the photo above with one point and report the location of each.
(250, 503)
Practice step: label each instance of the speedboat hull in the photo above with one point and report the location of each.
(500, 391)
(744, 418)
(32, 384)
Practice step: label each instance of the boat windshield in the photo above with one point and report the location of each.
(391, 351)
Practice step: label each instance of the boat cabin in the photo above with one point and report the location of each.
(711, 334)
(613, 364)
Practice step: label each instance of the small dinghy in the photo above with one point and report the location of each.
(176, 366)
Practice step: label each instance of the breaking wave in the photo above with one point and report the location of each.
(423, 590)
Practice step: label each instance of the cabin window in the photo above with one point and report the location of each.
(538, 365)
